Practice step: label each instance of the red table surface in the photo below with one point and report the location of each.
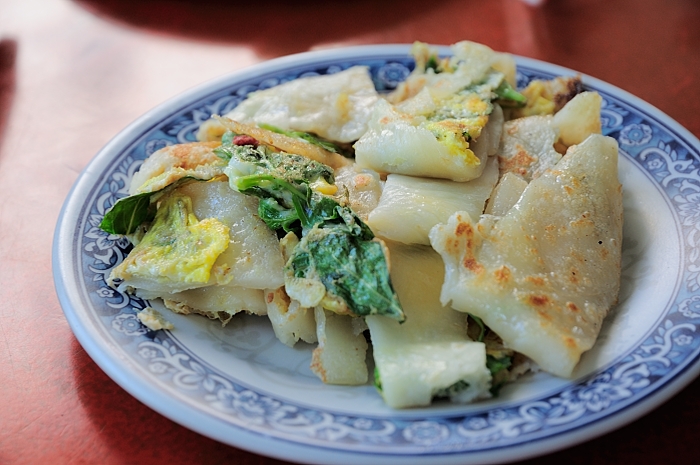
(74, 73)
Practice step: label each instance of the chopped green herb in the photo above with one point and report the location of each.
(453, 389)
(499, 371)
(509, 97)
(377, 380)
(433, 63)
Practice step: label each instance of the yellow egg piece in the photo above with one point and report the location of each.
(178, 247)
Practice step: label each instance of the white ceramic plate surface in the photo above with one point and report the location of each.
(239, 385)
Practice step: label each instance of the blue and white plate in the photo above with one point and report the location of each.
(239, 385)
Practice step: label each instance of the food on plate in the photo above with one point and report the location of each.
(547, 97)
(544, 275)
(341, 355)
(435, 129)
(455, 231)
(579, 118)
(531, 145)
(295, 142)
(430, 354)
(228, 257)
(334, 106)
(336, 262)
(153, 320)
(172, 163)
(421, 203)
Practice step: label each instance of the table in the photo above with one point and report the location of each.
(74, 73)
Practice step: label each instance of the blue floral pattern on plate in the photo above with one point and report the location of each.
(665, 154)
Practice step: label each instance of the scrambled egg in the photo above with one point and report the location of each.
(455, 135)
(458, 120)
(177, 248)
(548, 97)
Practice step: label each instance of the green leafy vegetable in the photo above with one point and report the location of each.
(350, 268)
(495, 365)
(336, 248)
(278, 217)
(498, 364)
(433, 63)
(128, 213)
(453, 389)
(282, 182)
(499, 371)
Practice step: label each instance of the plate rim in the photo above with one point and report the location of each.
(127, 375)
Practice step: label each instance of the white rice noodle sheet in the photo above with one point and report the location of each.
(253, 257)
(493, 131)
(473, 61)
(545, 275)
(290, 321)
(527, 146)
(579, 118)
(421, 203)
(470, 62)
(173, 162)
(218, 302)
(340, 357)
(360, 188)
(334, 106)
(397, 142)
(429, 354)
(528, 143)
(505, 195)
